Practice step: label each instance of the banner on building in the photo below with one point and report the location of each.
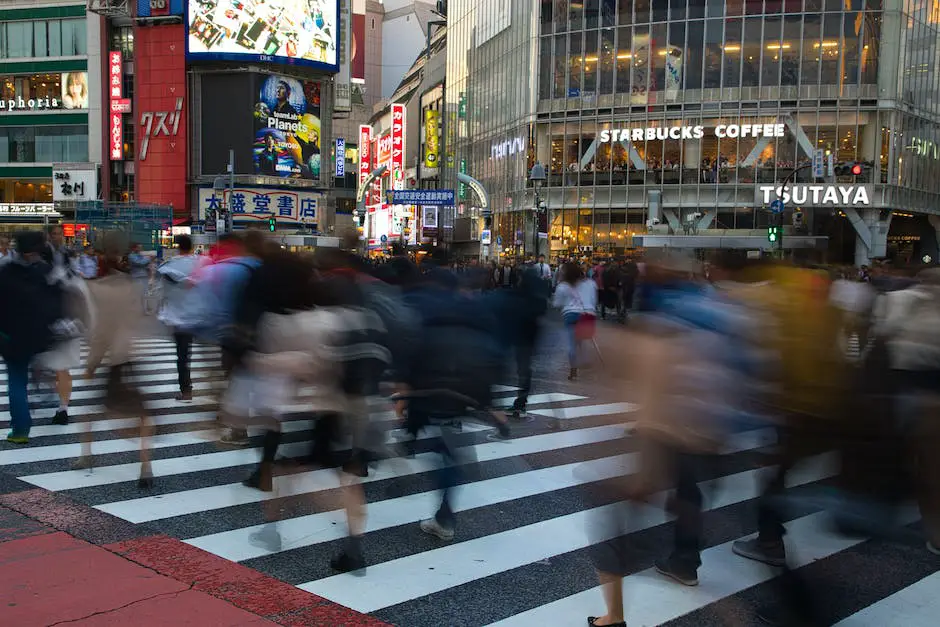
(432, 139)
(260, 204)
(673, 73)
(639, 88)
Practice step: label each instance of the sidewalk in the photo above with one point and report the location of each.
(62, 562)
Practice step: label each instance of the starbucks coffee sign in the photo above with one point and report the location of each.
(817, 195)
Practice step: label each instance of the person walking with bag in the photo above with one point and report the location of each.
(576, 297)
(33, 303)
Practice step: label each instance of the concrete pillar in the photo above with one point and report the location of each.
(692, 154)
(871, 233)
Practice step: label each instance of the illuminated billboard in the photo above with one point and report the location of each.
(302, 32)
(287, 128)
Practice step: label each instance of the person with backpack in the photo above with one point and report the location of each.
(178, 306)
(33, 303)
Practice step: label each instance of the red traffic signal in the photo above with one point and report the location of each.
(856, 168)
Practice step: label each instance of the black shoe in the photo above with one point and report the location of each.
(185, 396)
(591, 622)
(61, 417)
(145, 482)
(261, 478)
(347, 562)
(686, 575)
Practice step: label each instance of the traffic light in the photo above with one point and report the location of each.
(272, 224)
(848, 169)
(772, 233)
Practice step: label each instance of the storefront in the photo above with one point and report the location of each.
(47, 105)
(669, 119)
(264, 149)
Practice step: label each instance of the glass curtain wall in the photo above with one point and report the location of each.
(817, 67)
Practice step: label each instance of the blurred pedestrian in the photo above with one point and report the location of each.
(576, 297)
(32, 303)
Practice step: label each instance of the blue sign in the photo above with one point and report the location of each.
(777, 206)
(499, 240)
(340, 158)
(485, 237)
(436, 197)
(159, 8)
(383, 239)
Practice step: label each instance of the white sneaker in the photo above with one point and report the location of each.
(434, 528)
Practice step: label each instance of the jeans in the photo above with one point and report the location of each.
(688, 510)
(17, 382)
(184, 344)
(571, 319)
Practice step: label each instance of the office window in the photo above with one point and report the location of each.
(43, 38)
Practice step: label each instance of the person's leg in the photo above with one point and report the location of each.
(685, 559)
(18, 394)
(63, 386)
(184, 342)
(570, 321)
(524, 354)
(928, 437)
(612, 587)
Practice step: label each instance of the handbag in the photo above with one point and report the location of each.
(585, 326)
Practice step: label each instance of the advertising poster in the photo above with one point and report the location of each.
(75, 90)
(288, 31)
(639, 90)
(287, 128)
(358, 65)
(432, 138)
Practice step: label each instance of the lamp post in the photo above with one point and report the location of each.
(537, 176)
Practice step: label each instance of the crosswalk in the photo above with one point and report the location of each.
(529, 513)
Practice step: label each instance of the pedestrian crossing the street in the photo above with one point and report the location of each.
(530, 511)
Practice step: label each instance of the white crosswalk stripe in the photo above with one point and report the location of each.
(528, 503)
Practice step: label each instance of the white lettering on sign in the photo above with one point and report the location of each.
(662, 133)
(158, 123)
(924, 148)
(817, 195)
(506, 148)
(18, 104)
(28, 209)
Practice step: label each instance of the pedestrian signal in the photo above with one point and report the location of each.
(772, 233)
(272, 224)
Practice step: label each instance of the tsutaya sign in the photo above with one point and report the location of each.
(506, 148)
(663, 133)
(817, 195)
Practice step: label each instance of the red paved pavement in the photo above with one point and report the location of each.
(64, 562)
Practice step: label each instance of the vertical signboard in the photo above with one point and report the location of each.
(161, 110)
(432, 125)
(365, 156)
(340, 169)
(398, 146)
(115, 93)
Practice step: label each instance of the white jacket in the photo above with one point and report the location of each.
(582, 298)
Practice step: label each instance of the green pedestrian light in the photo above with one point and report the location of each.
(272, 224)
(772, 234)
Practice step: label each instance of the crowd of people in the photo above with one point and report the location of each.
(846, 363)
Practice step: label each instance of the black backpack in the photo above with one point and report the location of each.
(32, 305)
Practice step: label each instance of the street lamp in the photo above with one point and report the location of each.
(538, 178)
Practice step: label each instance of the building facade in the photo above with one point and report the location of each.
(50, 112)
(674, 122)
